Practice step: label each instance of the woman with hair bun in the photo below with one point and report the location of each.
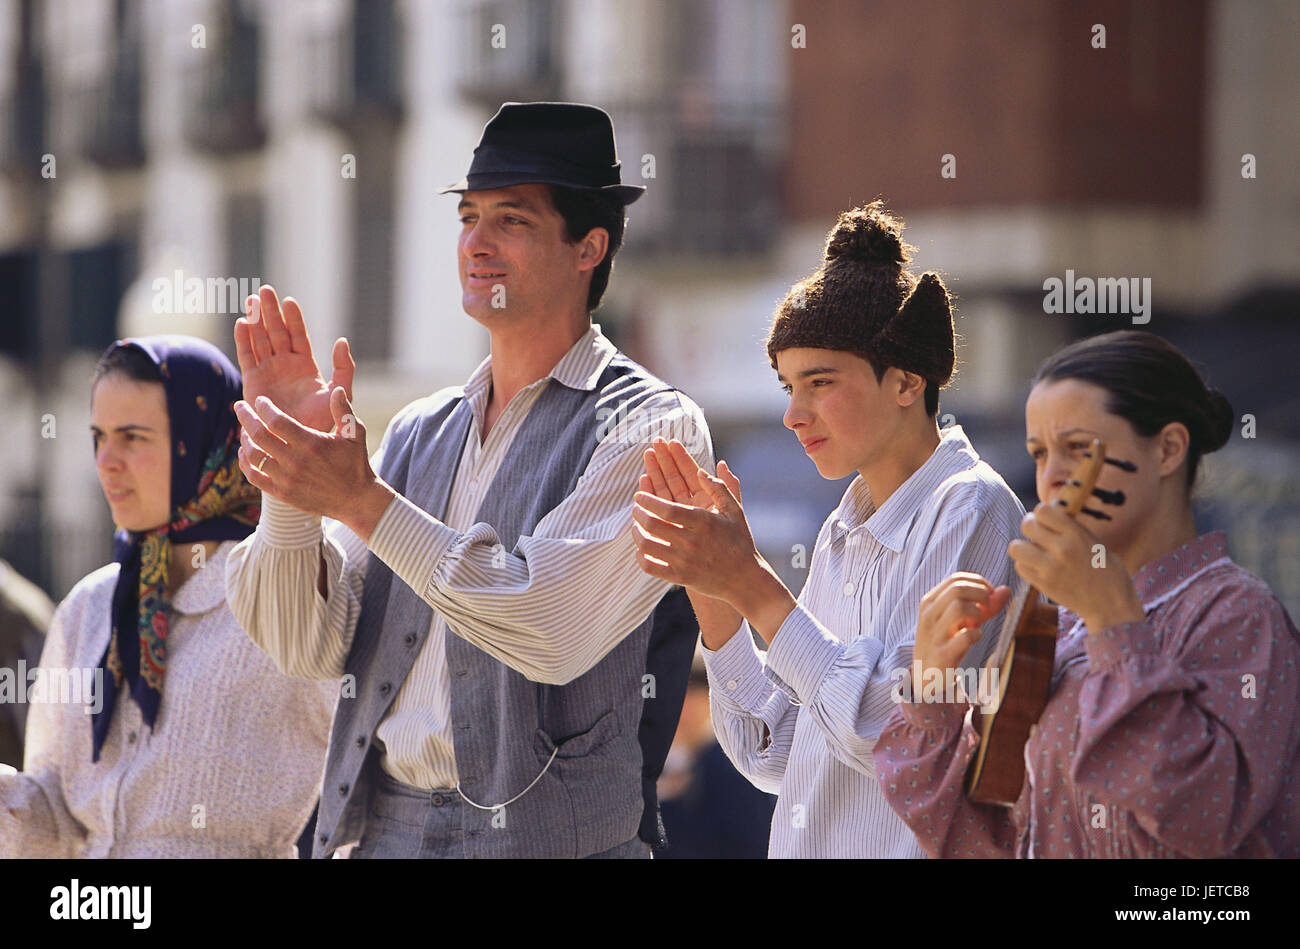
(862, 346)
(1173, 721)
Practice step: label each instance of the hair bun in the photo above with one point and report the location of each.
(869, 234)
(1220, 419)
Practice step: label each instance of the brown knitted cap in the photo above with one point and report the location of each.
(864, 300)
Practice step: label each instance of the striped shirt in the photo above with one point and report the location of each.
(551, 609)
(801, 720)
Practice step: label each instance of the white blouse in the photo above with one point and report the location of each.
(232, 767)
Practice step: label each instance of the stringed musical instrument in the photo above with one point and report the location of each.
(1024, 657)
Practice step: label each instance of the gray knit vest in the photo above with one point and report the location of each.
(505, 727)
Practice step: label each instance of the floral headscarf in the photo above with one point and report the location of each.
(210, 500)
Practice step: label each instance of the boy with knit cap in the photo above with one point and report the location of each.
(863, 347)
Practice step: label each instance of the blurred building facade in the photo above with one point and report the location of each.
(302, 144)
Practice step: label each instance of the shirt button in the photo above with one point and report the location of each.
(731, 685)
(848, 588)
(130, 739)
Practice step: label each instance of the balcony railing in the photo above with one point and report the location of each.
(103, 120)
(712, 169)
(356, 67)
(22, 132)
(526, 69)
(222, 111)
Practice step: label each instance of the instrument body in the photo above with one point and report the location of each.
(1024, 658)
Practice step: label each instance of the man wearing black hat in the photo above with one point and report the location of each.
(510, 679)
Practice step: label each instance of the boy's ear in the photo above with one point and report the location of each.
(911, 387)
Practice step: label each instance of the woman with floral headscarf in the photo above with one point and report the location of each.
(156, 728)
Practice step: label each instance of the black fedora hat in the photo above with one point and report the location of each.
(553, 143)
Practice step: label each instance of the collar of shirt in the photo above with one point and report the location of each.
(891, 523)
(579, 368)
(205, 590)
(1159, 576)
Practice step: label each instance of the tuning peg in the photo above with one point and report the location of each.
(1109, 497)
(1097, 514)
(1122, 465)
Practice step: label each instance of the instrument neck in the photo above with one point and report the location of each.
(1016, 612)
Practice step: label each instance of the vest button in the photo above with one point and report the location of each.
(361, 741)
(324, 839)
(386, 688)
(461, 673)
(410, 639)
(343, 790)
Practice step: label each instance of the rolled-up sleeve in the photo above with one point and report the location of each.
(570, 591)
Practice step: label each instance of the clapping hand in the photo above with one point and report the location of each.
(690, 528)
(673, 475)
(700, 536)
(275, 359)
(300, 442)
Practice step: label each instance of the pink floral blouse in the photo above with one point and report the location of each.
(1176, 736)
